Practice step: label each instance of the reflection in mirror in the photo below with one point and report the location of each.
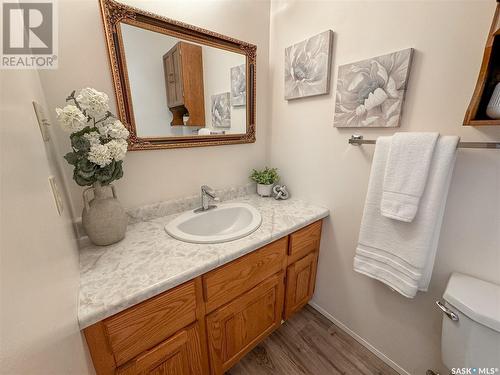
(178, 85)
(181, 88)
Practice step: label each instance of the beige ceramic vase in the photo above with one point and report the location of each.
(103, 217)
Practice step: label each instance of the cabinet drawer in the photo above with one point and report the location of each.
(178, 355)
(234, 329)
(304, 241)
(300, 282)
(227, 282)
(145, 325)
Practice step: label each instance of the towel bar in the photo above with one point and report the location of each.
(358, 140)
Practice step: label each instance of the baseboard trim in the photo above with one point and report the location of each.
(359, 339)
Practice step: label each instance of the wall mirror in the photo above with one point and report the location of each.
(178, 85)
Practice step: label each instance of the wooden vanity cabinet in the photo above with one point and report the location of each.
(301, 273)
(207, 324)
(235, 328)
(143, 326)
(179, 355)
(233, 279)
(300, 281)
(304, 241)
(183, 67)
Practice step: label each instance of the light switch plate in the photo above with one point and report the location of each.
(43, 121)
(56, 194)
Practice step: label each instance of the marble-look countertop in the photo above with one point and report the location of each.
(148, 261)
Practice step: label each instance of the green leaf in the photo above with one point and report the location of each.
(266, 176)
(118, 172)
(79, 142)
(72, 158)
(86, 166)
(82, 181)
(105, 174)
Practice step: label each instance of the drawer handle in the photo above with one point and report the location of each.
(449, 313)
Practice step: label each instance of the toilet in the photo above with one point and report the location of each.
(471, 325)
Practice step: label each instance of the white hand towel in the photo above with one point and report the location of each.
(398, 253)
(406, 174)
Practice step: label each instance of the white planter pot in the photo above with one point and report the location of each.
(265, 190)
(103, 218)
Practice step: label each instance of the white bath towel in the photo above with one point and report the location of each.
(398, 253)
(406, 174)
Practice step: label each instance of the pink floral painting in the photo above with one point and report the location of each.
(370, 93)
(307, 66)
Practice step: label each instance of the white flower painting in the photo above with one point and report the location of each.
(221, 111)
(370, 93)
(238, 85)
(307, 66)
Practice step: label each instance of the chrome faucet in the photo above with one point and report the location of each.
(207, 193)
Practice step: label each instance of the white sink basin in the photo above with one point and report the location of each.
(227, 222)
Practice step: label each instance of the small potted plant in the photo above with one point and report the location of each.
(265, 179)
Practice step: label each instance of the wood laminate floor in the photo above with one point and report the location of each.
(309, 344)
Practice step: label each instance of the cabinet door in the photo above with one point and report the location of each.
(143, 326)
(232, 280)
(300, 280)
(173, 77)
(179, 87)
(304, 241)
(168, 66)
(178, 355)
(234, 329)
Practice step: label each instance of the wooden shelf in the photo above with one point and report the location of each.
(489, 76)
(485, 122)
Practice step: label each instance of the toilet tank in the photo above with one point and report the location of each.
(474, 340)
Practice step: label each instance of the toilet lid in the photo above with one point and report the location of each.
(478, 299)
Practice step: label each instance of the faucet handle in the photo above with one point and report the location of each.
(208, 191)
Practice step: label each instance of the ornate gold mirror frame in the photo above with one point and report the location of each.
(113, 14)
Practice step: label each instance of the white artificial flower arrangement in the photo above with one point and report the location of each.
(98, 138)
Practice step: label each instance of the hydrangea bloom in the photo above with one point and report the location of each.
(117, 148)
(100, 155)
(94, 103)
(93, 138)
(114, 129)
(98, 139)
(71, 118)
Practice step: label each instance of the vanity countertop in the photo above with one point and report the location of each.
(148, 261)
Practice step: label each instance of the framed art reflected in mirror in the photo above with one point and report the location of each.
(178, 85)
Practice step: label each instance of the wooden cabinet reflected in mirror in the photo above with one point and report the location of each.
(177, 85)
(183, 66)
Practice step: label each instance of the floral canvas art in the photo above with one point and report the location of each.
(221, 111)
(238, 85)
(307, 67)
(370, 93)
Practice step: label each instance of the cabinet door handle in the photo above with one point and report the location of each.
(448, 312)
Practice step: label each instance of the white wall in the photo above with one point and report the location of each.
(318, 165)
(157, 175)
(39, 270)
